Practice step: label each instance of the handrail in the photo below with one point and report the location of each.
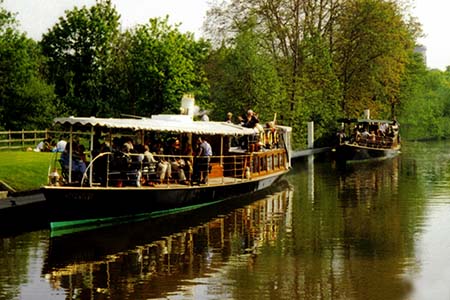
(240, 167)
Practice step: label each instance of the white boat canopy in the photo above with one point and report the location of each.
(162, 123)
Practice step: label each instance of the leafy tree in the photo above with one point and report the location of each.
(425, 98)
(320, 93)
(372, 49)
(244, 77)
(26, 100)
(163, 64)
(294, 37)
(78, 51)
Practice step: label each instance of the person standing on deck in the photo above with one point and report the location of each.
(229, 118)
(201, 164)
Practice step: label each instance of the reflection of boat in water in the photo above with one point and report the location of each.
(367, 139)
(151, 259)
(120, 186)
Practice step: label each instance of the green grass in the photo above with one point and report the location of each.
(24, 171)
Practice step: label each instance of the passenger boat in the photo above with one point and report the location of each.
(118, 186)
(366, 139)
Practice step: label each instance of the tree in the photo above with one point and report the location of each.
(295, 38)
(26, 100)
(78, 51)
(425, 101)
(163, 64)
(373, 45)
(244, 77)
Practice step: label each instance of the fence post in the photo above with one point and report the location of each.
(23, 139)
(9, 138)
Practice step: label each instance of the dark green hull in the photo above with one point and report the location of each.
(71, 207)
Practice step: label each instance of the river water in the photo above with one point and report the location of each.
(378, 230)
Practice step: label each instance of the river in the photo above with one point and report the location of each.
(378, 230)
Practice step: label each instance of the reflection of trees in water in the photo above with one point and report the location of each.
(355, 237)
(16, 252)
(161, 266)
(365, 182)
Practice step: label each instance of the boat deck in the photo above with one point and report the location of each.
(212, 182)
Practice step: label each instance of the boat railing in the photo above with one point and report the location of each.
(132, 169)
(381, 142)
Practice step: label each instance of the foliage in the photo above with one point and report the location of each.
(243, 77)
(26, 100)
(425, 113)
(333, 58)
(162, 65)
(78, 49)
(372, 50)
(306, 60)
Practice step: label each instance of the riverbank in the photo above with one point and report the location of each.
(22, 172)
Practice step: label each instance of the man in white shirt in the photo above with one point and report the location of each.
(61, 145)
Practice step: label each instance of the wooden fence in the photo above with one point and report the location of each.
(14, 140)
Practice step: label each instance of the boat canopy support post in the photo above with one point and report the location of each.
(70, 153)
(91, 150)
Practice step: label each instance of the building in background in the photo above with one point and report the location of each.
(423, 51)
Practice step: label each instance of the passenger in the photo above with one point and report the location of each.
(164, 170)
(78, 165)
(340, 137)
(365, 134)
(229, 118)
(116, 144)
(177, 163)
(61, 144)
(201, 162)
(148, 156)
(147, 164)
(251, 119)
(101, 163)
(384, 128)
(189, 159)
(356, 134)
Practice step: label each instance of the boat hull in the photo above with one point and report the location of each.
(355, 153)
(69, 206)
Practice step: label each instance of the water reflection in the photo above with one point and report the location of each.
(368, 231)
(84, 267)
(353, 239)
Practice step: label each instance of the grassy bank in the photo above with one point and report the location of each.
(24, 171)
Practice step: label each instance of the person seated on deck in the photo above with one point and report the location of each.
(101, 163)
(164, 169)
(365, 135)
(149, 164)
(78, 165)
(177, 164)
(188, 155)
(60, 145)
(383, 128)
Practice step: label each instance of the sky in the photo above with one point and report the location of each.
(37, 16)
